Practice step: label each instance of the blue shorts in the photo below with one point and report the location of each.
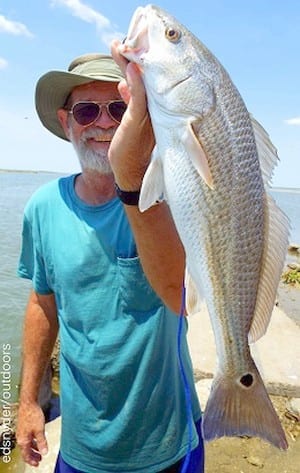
(196, 463)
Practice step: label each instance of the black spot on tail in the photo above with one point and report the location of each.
(247, 380)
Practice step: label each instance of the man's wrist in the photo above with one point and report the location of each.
(128, 197)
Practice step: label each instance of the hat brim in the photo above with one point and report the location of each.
(52, 91)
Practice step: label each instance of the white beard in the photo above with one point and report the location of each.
(88, 158)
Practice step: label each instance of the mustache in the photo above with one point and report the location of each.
(103, 135)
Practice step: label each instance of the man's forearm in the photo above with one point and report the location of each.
(40, 332)
(160, 250)
(159, 247)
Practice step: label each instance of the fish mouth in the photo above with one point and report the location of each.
(136, 43)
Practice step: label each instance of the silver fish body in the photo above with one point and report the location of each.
(212, 164)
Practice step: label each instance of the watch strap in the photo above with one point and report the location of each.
(128, 197)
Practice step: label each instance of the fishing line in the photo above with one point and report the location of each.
(187, 391)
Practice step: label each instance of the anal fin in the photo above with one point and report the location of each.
(274, 254)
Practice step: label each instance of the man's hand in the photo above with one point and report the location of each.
(133, 142)
(31, 433)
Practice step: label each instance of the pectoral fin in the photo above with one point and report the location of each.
(197, 154)
(153, 183)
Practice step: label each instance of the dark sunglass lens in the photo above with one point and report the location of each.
(85, 113)
(117, 110)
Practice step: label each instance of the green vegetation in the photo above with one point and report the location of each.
(291, 276)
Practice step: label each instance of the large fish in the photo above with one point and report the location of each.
(212, 163)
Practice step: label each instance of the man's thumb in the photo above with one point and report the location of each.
(41, 443)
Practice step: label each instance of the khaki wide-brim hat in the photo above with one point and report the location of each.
(53, 88)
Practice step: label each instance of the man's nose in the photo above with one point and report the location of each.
(104, 120)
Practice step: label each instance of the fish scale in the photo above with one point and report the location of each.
(212, 163)
(190, 212)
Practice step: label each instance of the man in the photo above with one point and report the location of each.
(87, 248)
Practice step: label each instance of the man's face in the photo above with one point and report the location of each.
(91, 142)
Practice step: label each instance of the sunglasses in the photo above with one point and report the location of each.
(86, 113)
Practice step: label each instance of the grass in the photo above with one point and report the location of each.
(291, 276)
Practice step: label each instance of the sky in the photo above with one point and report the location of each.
(257, 41)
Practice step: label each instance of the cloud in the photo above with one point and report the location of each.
(3, 63)
(14, 27)
(89, 15)
(84, 12)
(293, 121)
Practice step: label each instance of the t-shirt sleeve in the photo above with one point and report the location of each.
(31, 262)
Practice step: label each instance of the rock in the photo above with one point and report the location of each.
(255, 461)
(294, 248)
(293, 409)
(294, 266)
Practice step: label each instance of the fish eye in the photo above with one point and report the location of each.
(172, 35)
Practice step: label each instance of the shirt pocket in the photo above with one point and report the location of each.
(136, 293)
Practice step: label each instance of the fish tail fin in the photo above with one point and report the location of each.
(242, 407)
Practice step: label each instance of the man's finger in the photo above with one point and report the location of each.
(29, 452)
(117, 57)
(41, 443)
(124, 91)
(138, 102)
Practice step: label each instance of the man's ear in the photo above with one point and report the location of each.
(62, 115)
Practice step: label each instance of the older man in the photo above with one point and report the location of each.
(109, 278)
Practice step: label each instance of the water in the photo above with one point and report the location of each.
(15, 189)
(289, 201)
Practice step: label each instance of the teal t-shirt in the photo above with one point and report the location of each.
(122, 396)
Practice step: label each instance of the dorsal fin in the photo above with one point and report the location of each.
(267, 152)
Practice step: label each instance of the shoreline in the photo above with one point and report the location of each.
(30, 171)
(45, 171)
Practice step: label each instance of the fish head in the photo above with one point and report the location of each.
(179, 73)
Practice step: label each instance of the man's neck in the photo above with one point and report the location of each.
(95, 188)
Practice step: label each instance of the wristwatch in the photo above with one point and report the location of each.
(128, 197)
